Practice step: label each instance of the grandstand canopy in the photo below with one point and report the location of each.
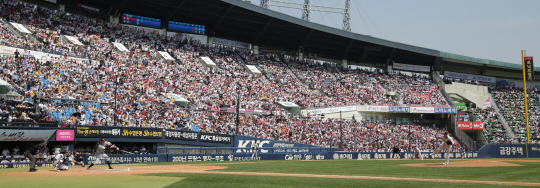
(245, 22)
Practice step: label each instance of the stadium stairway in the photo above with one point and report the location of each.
(509, 131)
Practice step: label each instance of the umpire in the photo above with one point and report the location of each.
(34, 149)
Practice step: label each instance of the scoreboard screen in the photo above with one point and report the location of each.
(141, 21)
(186, 27)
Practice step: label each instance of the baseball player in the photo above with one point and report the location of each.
(101, 146)
(61, 161)
(447, 144)
(416, 151)
(254, 148)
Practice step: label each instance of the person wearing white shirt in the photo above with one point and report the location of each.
(4, 160)
(254, 148)
(5, 152)
(16, 150)
(447, 144)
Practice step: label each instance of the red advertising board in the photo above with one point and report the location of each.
(478, 125)
(471, 125)
(464, 125)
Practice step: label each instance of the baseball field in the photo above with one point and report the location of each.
(324, 173)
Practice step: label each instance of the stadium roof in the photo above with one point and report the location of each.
(243, 21)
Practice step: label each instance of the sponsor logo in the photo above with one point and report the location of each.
(88, 7)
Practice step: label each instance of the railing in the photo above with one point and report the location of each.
(239, 150)
(27, 124)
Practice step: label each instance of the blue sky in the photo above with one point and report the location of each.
(489, 29)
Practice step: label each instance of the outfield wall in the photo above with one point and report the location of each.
(124, 159)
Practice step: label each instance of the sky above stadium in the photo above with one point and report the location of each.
(488, 29)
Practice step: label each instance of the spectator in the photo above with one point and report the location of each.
(16, 150)
(4, 160)
(5, 152)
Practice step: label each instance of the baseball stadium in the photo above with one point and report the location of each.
(232, 93)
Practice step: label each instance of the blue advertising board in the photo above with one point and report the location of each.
(123, 159)
(440, 110)
(510, 151)
(399, 109)
(245, 142)
(24, 165)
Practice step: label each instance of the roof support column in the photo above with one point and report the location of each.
(437, 65)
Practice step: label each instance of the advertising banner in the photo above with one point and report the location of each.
(83, 7)
(65, 135)
(422, 110)
(332, 110)
(124, 159)
(231, 43)
(440, 110)
(478, 125)
(181, 135)
(246, 142)
(529, 68)
(97, 132)
(418, 68)
(24, 165)
(141, 133)
(469, 76)
(216, 138)
(378, 108)
(464, 125)
(26, 134)
(399, 109)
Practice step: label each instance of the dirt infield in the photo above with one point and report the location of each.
(205, 168)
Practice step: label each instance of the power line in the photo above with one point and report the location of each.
(367, 26)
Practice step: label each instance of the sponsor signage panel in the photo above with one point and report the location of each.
(378, 108)
(253, 69)
(529, 68)
(399, 109)
(26, 135)
(97, 132)
(141, 133)
(465, 125)
(181, 135)
(231, 43)
(216, 138)
(332, 110)
(165, 55)
(440, 110)
(469, 76)
(478, 125)
(425, 110)
(65, 135)
(418, 68)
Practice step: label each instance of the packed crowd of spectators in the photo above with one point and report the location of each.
(494, 131)
(130, 88)
(510, 101)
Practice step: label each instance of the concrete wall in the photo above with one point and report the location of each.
(474, 93)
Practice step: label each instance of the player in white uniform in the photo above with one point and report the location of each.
(100, 153)
(447, 144)
(254, 148)
(61, 161)
(417, 151)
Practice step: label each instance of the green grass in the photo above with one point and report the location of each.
(238, 181)
(529, 172)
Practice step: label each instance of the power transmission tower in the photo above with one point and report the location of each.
(347, 16)
(306, 10)
(265, 3)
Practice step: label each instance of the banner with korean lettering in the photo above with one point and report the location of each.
(141, 133)
(97, 132)
(181, 135)
(217, 138)
(529, 68)
(123, 159)
(478, 125)
(464, 125)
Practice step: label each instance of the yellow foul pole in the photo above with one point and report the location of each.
(525, 92)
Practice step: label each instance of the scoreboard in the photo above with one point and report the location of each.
(141, 21)
(186, 27)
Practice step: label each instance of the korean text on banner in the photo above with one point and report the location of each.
(469, 76)
(25, 134)
(65, 135)
(418, 68)
(529, 68)
(422, 110)
(464, 125)
(377, 108)
(478, 125)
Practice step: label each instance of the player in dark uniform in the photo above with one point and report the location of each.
(34, 150)
(395, 150)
